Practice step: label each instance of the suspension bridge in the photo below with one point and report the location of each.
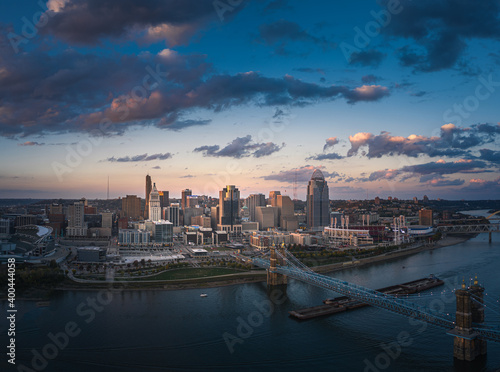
(468, 327)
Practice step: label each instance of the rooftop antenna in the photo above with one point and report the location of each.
(108, 189)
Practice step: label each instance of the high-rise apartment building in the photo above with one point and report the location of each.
(318, 201)
(425, 217)
(76, 220)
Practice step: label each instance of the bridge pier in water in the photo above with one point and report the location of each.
(466, 345)
(274, 278)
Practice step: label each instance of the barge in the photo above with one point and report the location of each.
(344, 303)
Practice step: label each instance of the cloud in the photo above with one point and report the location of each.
(281, 32)
(370, 79)
(137, 158)
(43, 93)
(156, 167)
(452, 141)
(442, 167)
(178, 125)
(431, 172)
(490, 155)
(367, 93)
(371, 58)
(329, 156)
(440, 30)
(187, 176)
(310, 70)
(30, 143)
(330, 142)
(302, 174)
(240, 147)
(445, 182)
(490, 189)
(90, 21)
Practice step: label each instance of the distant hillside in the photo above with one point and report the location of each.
(17, 202)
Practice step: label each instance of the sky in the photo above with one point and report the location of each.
(386, 98)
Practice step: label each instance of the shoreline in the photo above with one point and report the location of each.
(249, 277)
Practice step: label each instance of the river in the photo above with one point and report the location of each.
(247, 328)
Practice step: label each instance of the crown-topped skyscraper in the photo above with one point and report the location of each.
(318, 201)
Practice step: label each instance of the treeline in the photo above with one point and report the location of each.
(28, 276)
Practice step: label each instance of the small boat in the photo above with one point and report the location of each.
(203, 295)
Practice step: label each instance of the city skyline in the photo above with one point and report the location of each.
(257, 95)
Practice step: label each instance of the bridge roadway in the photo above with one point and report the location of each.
(470, 229)
(376, 299)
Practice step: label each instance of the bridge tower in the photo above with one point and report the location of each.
(274, 278)
(477, 307)
(466, 345)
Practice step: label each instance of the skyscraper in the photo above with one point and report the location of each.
(172, 213)
(229, 205)
(184, 194)
(253, 201)
(148, 191)
(287, 219)
(154, 205)
(164, 199)
(318, 201)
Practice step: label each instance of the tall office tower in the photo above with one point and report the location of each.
(154, 205)
(318, 201)
(184, 194)
(131, 207)
(229, 205)
(164, 199)
(148, 191)
(172, 213)
(253, 201)
(273, 198)
(287, 218)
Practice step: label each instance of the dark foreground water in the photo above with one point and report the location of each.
(235, 329)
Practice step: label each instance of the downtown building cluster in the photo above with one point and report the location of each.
(258, 220)
(201, 220)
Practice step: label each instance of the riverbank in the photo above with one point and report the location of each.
(239, 278)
